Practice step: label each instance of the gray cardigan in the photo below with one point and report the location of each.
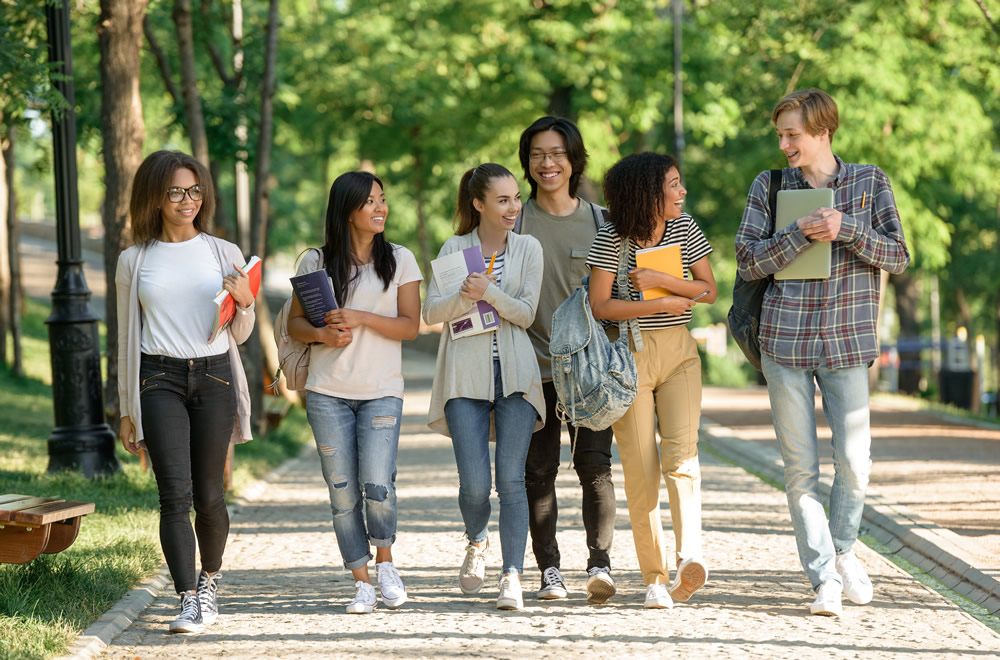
(464, 366)
(130, 336)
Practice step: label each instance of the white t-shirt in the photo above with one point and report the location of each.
(177, 283)
(371, 366)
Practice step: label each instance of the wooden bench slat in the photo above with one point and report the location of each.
(11, 498)
(8, 511)
(51, 512)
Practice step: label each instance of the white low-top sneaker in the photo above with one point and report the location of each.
(691, 576)
(390, 584)
(364, 599)
(472, 575)
(857, 586)
(510, 597)
(827, 601)
(657, 597)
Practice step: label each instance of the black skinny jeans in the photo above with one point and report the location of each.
(188, 412)
(592, 461)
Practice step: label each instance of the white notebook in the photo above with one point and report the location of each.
(813, 263)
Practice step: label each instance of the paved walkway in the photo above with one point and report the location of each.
(284, 589)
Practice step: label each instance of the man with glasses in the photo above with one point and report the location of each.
(553, 157)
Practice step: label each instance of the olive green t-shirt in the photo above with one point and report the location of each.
(565, 244)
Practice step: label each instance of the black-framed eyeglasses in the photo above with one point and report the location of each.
(554, 156)
(176, 194)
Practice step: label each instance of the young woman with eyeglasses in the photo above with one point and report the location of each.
(488, 385)
(354, 391)
(183, 399)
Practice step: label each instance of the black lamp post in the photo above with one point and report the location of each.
(81, 439)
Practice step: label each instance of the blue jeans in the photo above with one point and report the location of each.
(469, 424)
(357, 443)
(845, 404)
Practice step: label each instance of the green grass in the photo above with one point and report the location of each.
(917, 403)
(47, 602)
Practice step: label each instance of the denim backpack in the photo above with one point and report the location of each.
(744, 315)
(594, 378)
(293, 355)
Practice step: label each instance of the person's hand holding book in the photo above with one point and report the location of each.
(345, 319)
(238, 286)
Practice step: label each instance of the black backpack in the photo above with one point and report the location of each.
(744, 315)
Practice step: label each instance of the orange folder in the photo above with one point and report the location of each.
(664, 258)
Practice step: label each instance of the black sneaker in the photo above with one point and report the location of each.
(553, 585)
(207, 586)
(190, 620)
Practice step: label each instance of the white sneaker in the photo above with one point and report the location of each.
(657, 597)
(857, 586)
(553, 585)
(510, 597)
(390, 584)
(827, 601)
(600, 584)
(691, 576)
(364, 600)
(473, 572)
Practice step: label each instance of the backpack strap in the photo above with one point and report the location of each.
(773, 186)
(630, 325)
(600, 214)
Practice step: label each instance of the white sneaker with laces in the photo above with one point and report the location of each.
(600, 584)
(691, 576)
(473, 572)
(857, 586)
(827, 601)
(510, 597)
(390, 584)
(553, 585)
(657, 597)
(364, 599)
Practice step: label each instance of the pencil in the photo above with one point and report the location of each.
(863, 195)
(492, 259)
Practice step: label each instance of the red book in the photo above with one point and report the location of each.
(225, 306)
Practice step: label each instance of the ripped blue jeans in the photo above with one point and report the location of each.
(357, 443)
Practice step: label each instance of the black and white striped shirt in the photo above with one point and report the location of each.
(683, 230)
(498, 271)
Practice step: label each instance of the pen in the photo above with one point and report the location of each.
(863, 195)
(492, 259)
(700, 295)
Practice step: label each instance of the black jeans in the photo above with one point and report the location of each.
(592, 461)
(188, 412)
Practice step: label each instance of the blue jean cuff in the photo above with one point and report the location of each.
(382, 543)
(358, 563)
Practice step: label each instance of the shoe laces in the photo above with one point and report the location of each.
(656, 591)
(190, 607)
(598, 569)
(475, 560)
(365, 593)
(507, 588)
(551, 575)
(388, 575)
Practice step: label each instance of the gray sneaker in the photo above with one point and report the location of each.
(553, 585)
(190, 619)
(207, 586)
(473, 572)
(600, 584)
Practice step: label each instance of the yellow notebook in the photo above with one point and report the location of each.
(664, 258)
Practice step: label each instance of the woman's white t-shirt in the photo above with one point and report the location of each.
(177, 284)
(371, 366)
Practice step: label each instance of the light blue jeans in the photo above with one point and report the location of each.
(357, 441)
(845, 404)
(469, 425)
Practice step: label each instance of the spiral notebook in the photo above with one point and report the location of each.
(813, 263)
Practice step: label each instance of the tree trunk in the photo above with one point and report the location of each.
(907, 306)
(7, 160)
(6, 191)
(189, 87)
(120, 36)
(561, 103)
(257, 351)
(423, 240)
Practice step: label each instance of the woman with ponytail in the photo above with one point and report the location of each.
(355, 386)
(490, 379)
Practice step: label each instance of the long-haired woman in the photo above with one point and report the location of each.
(355, 386)
(490, 376)
(183, 398)
(646, 200)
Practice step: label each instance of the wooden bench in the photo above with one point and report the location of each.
(30, 526)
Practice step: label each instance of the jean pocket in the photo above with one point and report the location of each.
(218, 380)
(149, 382)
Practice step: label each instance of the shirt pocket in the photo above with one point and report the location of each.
(578, 268)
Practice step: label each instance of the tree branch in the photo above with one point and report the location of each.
(989, 17)
(161, 61)
(220, 67)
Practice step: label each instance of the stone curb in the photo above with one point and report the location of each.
(933, 549)
(122, 614)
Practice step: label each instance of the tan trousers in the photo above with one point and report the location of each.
(669, 398)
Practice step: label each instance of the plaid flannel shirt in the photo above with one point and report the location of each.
(830, 323)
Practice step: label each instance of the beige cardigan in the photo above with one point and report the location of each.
(130, 337)
(465, 366)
